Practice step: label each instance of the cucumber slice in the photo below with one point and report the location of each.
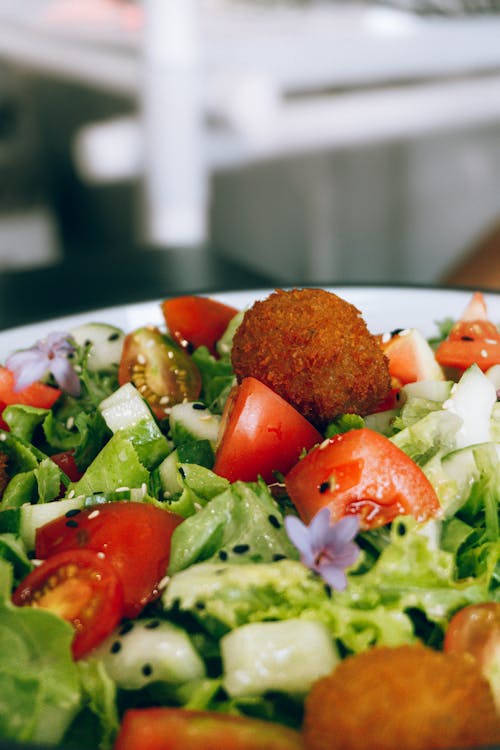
(461, 466)
(430, 390)
(124, 408)
(106, 345)
(287, 656)
(34, 516)
(149, 650)
(193, 421)
(472, 399)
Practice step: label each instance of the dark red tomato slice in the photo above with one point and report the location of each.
(163, 373)
(475, 629)
(197, 321)
(134, 537)
(67, 464)
(361, 473)
(81, 588)
(37, 394)
(473, 339)
(3, 423)
(180, 729)
(260, 433)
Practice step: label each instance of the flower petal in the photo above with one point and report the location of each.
(334, 576)
(299, 535)
(347, 556)
(319, 528)
(342, 532)
(28, 366)
(65, 376)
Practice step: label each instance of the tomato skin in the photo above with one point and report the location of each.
(197, 321)
(3, 423)
(473, 339)
(134, 537)
(361, 473)
(66, 462)
(260, 433)
(81, 588)
(163, 372)
(37, 394)
(182, 729)
(475, 629)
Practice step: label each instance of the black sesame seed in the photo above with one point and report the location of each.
(324, 487)
(199, 406)
(115, 647)
(189, 347)
(222, 554)
(328, 590)
(126, 628)
(396, 331)
(147, 670)
(200, 605)
(113, 336)
(152, 624)
(72, 524)
(87, 342)
(467, 338)
(73, 512)
(182, 472)
(274, 521)
(401, 529)
(278, 557)
(240, 549)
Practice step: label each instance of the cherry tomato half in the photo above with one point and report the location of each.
(197, 321)
(66, 462)
(163, 373)
(37, 394)
(180, 729)
(81, 588)
(473, 339)
(475, 629)
(260, 433)
(361, 473)
(134, 537)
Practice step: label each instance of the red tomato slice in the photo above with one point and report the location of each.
(260, 433)
(81, 588)
(37, 394)
(180, 729)
(475, 629)
(134, 537)
(473, 339)
(67, 464)
(3, 423)
(163, 373)
(361, 473)
(197, 321)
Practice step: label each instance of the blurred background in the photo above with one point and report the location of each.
(158, 147)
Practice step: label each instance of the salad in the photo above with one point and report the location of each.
(186, 555)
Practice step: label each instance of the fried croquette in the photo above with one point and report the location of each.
(313, 349)
(410, 697)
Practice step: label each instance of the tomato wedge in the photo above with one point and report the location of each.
(66, 462)
(134, 537)
(410, 356)
(260, 434)
(181, 729)
(473, 339)
(361, 473)
(475, 630)
(197, 321)
(81, 588)
(163, 373)
(37, 394)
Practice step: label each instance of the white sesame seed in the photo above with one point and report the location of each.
(405, 332)
(164, 400)
(197, 506)
(3, 436)
(94, 514)
(484, 353)
(101, 555)
(164, 582)
(141, 359)
(122, 489)
(324, 444)
(70, 494)
(70, 422)
(386, 337)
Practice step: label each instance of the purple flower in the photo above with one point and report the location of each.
(47, 355)
(324, 547)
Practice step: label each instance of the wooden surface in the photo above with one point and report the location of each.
(481, 266)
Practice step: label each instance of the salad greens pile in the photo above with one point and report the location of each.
(236, 588)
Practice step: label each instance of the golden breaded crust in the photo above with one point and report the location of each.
(313, 349)
(404, 698)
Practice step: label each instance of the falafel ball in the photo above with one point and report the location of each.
(314, 349)
(410, 697)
